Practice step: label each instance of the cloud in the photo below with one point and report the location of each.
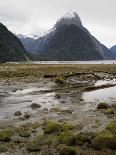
(38, 16)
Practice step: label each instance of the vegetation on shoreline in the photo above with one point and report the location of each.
(33, 72)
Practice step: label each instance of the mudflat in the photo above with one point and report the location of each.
(55, 109)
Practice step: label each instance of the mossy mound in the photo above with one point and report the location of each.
(67, 127)
(55, 127)
(112, 127)
(67, 150)
(22, 131)
(60, 80)
(51, 127)
(3, 148)
(35, 145)
(5, 135)
(104, 140)
(66, 138)
(109, 111)
(103, 105)
(83, 137)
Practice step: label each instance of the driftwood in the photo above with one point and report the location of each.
(91, 88)
(70, 75)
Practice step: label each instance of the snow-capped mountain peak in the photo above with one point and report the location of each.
(69, 18)
(70, 14)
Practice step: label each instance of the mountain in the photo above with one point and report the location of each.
(68, 40)
(113, 50)
(11, 48)
(29, 41)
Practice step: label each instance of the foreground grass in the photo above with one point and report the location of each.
(38, 70)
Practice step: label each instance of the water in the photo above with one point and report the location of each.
(75, 62)
(22, 99)
(106, 94)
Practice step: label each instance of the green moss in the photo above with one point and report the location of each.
(66, 138)
(112, 127)
(83, 137)
(60, 80)
(67, 127)
(104, 140)
(51, 127)
(103, 105)
(35, 145)
(35, 125)
(5, 135)
(67, 150)
(3, 148)
(22, 131)
(109, 111)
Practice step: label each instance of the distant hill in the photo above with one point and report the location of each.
(113, 50)
(68, 40)
(11, 48)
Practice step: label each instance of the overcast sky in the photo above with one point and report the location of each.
(38, 16)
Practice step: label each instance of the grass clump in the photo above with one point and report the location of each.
(67, 150)
(112, 127)
(35, 145)
(66, 138)
(83, 137)
(5, 135)
(60, 80)
(3, 148)
(109, 111)
(104, 140)
(51, 127)
(67, 127)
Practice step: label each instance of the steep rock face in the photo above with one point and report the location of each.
(11, 48)
(69, 40)
(71, 43)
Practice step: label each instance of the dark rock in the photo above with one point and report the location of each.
(17, 113)
(35, 106)
(26, 115)
(103, 105)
